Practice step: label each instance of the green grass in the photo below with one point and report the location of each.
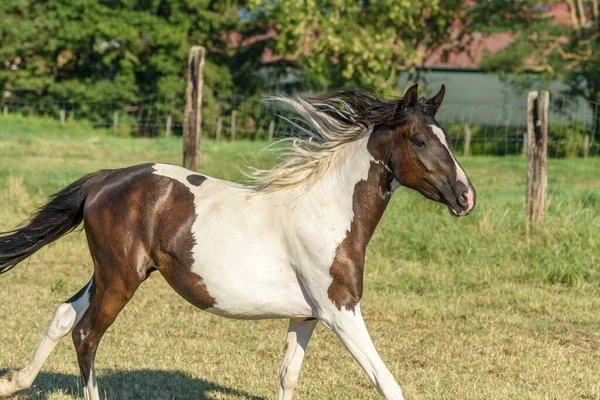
(469, 308)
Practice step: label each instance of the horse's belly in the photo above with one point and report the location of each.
(253, 291)
(250, 277)
(251, 303)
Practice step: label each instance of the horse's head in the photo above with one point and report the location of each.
(419, 154)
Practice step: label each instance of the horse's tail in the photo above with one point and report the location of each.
(58, 217)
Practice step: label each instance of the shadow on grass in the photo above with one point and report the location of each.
(144, 384)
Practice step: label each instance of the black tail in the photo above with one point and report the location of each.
(58, 217)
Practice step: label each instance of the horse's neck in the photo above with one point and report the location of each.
(353, 195)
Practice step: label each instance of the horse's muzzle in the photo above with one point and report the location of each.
(462, 200)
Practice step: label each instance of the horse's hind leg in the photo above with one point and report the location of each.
(65, 317)
(298, 335)
(112, 292)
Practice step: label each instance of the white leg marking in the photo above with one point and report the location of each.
(351, 330)
(64, 319)
(90, 390)
(298, 335)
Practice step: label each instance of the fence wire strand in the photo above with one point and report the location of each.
(496, 129)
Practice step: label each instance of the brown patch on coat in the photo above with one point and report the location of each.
(174, 255)
(147, 219)
(135, 222)
(369, 200)
(196, 179)
(119, 217)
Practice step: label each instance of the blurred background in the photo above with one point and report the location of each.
(96, 59)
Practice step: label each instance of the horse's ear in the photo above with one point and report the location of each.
(436, 101)
(411, 97)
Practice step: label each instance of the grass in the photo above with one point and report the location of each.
(470, 308)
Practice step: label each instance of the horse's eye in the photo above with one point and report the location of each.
(419, 143)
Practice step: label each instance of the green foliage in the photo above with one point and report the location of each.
(248, 117)
(565, 140)
(358, 43)
(117, 51)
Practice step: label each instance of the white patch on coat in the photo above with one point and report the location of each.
(460, 173)
(267, 255)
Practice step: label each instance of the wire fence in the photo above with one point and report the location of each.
(574, 129)
(475, 129)
(158, 116)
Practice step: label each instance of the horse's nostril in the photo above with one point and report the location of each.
(463, 200)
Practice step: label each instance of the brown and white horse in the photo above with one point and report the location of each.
(291, 246)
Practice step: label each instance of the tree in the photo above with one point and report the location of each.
(366, 43)
(116, 51)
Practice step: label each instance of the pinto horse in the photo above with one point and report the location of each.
(290, 246)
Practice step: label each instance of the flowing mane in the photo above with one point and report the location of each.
(331, 122)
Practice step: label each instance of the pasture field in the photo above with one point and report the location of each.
(469, 308)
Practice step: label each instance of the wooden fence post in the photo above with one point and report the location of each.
(5, 110)
(62, 115)
(233, 125)
(467, 139)
(219, 128)
(271, 129)
(192, 125)
(537, 156)
(169, 125)
(586, 145)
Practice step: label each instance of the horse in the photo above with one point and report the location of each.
(289, 244)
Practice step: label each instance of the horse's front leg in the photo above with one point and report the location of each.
(350, 327)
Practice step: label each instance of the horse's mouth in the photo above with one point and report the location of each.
(454, 212)
(461, 204)
(458, 211)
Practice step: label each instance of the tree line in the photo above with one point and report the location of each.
(125, 50)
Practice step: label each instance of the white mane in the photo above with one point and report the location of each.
(332, 123)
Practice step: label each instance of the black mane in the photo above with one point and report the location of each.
(367, 108)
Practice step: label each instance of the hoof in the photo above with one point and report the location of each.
(9, 384)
